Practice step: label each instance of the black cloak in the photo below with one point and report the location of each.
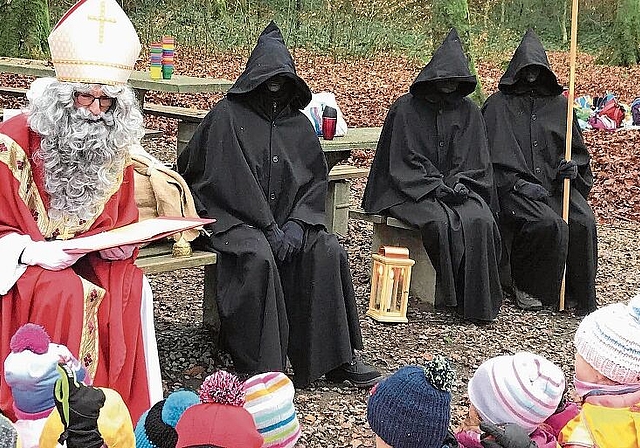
(255, 160)
(429, 139)
(526, 126)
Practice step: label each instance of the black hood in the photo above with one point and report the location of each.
(269, 58)
(447, 63)
(530, 52)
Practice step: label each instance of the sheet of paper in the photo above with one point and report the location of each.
(136, 233)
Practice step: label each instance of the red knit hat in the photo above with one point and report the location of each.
(217, 424)
(220, 419)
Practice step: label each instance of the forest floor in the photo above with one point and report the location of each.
(335, 415)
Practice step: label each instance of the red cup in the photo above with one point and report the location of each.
(328, 128)
(329, 119)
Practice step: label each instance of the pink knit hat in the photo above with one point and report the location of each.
(523, 388)
(609, 340)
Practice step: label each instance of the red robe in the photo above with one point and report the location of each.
(92, 307)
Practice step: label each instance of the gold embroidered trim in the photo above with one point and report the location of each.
(89, 342)
(92, 63)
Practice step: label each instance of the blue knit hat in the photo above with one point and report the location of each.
(410, 409)
(156, 427)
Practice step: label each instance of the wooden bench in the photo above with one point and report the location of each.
(338, 199)
(389, 231)
(157, 257)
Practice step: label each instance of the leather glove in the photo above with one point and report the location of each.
(530, 190)
(567, 169)
(118, 252)
(512, 436)
(293, 235)
(444, 193)
(79, 408)
(461, 192)
(48, 255)
(276, 239)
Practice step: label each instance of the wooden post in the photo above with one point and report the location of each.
(569, 135)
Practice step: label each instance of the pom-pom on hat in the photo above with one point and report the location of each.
(86, 417)
(609, 340)
(8, 434)
(31, 370)
(156, 427)
(269, 399)
(94, 42)
(411, 408)
(220, 419)
(524, 388)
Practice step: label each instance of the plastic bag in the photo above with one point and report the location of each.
(314, 109)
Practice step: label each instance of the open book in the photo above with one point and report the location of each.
(136, 233)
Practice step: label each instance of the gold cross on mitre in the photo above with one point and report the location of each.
(102, 18)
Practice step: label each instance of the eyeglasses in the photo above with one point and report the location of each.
(86, 99)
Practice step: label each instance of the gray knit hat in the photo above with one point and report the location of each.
(8, 433)
(411, 408)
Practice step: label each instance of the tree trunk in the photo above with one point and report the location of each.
(563, 22)
(449, 14)
(624, 48)
(25, 28)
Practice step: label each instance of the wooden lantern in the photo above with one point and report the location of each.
(390, 284)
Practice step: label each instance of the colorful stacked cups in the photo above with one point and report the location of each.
(168, 50)
(156, 60)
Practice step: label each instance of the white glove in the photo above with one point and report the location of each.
(48, 255)
(118, 252)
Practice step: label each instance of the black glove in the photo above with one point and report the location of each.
(512, 436)
(293, 235)
(530, 190)
(79, 408)
(567, 169)
(461, 192)
(444, 193)
(275, 238)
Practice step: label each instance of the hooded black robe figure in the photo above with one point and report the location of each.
(284, 286)
(432, 170)
(526, 126)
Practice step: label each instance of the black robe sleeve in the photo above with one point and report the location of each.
(222, 183)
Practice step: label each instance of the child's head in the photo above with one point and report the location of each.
(524, 388)
(220, 419)
(269, 400)
(411, 407)
(607, 345)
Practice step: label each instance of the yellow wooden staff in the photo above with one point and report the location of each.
(569, 135)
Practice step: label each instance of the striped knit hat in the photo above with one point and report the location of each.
(269, 399)
(523, 388)
(609, 340)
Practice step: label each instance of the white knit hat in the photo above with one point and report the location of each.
(269, 400)
(609, 340)
(94, 42)
(524, 388)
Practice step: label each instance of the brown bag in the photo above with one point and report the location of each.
(160, 191)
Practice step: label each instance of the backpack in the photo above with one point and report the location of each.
(635, 111)
(613, 111)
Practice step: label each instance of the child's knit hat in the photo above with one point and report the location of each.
(524, 388)
(31, 370)
(86, 417)
(609, 340)
(269, 399)
(220, 420)
(410, 409)
(8, 434)
(156, 427)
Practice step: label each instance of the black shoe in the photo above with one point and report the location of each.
(356, 372)
(526, 301)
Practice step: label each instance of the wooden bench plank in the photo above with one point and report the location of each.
(13, 91)
(164, 263)
(358, 213)
(346, 172)
(179, 113)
